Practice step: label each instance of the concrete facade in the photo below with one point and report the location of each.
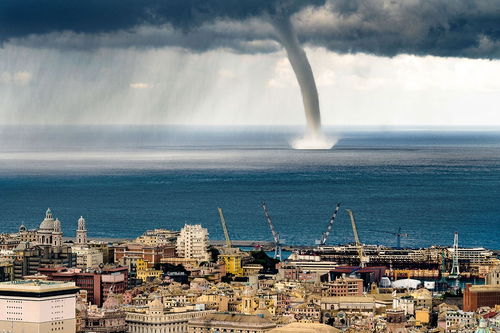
(156, 320)
(35, 306)
(192, 243)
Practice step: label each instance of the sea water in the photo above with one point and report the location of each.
(125, 180)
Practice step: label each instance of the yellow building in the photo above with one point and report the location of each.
(232, 263)
(422, 316)
(144, 272)
(142, 265)
(150, 274)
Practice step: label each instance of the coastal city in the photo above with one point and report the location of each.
(139, 139)
(182, 281)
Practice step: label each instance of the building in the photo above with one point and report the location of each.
(24, 235)
(232, 263)
(396, 321)
(480, 295)
(29, 259)
(156, 320)
(36, 306)
(98, 284)
(87, 257)
(192, 243)
(108, 251)
(108, 319)
(460, 321)
(343, 286)
(6, 270)
(129, 253)
(422, 298)
(81, 232)
(230, 322)
(309, 312)
(305, 328)
(405, 303)
(49, 233)
(157, 237)
(369, 275)
(146, 273)
(423, 316)
(292, 272)
(48, 249)
(348, 303)
(493, 277)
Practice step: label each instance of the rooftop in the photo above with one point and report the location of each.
(484, 288)
(233, 318)
(36, 286)
(348, 299)
(306, 328)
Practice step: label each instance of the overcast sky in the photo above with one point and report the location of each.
(375, 62)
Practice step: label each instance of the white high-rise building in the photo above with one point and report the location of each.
(192, 243)
(37, 306)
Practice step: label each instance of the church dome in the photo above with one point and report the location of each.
(22, 228)
(48, 221)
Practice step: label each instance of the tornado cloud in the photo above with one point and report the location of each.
(302, 69)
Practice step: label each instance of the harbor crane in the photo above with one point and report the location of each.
(398, 235)
(455, 268)
(362, 258)
(276, 235)
(325, 235)
(224, 228)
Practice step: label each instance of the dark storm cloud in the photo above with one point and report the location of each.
(22, 18)
(464, 28)
(458, 28)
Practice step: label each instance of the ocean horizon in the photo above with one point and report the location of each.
(125, 180)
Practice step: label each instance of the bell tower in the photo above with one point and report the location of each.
(81, 232)
(57, 234)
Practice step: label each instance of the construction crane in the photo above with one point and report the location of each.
(455, 268)
(362, 259)
(224, 228)
(398, 235)
(276, 235)
(325, 235)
